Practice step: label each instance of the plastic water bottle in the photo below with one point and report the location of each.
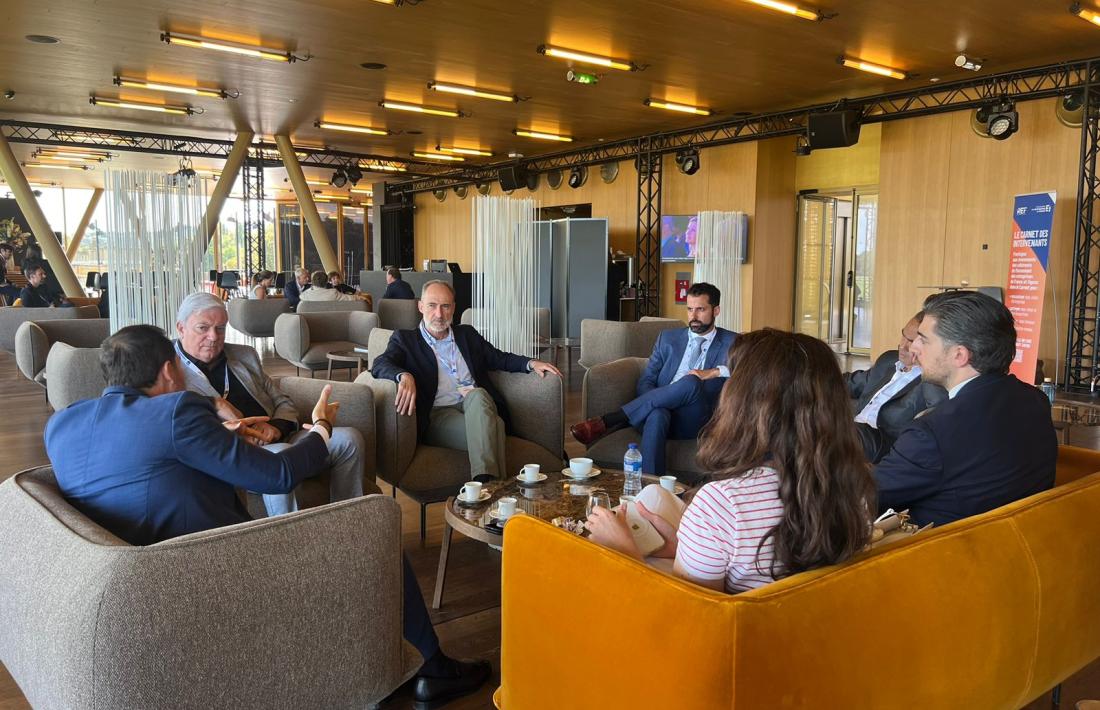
(632, 467)
(1048, 389)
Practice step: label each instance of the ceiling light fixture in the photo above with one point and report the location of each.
(339, 178)
(971, 63)
(471, 91)
(160, 108)
(382, 167)
(437, 156)
(872, 68)
(351, 129)
(273, 55)
(173, 88)
(682, 108)
(688, 161)
(417, 108)
(585, 58)
(362, 191)
(42, 39)
(1076, 9)
(1000, 119)
(56, 166)
(789, 9)
(62, 153)
(65, 158)
(542, 136)
(464, 151)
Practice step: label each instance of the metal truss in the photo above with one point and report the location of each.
(1023, 85)
(1082, 365)
(648, 234)
(255, 246)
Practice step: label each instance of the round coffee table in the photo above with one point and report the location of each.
(556, 497)
(346, 356)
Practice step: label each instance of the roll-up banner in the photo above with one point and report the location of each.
(1032, 217)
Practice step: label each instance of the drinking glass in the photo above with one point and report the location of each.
(597, 499)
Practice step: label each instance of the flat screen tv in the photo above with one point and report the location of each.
(678, 237)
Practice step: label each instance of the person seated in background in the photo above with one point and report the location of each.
(336, 281)
(396, 287)
(890, 394)
(789, 488)
(233, 378)
(442, 374)
(150, 461)
(991, 442)
(680, 385)
(261, 282)
(7, 289)
(296, 286)
(320, 291)
(37, 293)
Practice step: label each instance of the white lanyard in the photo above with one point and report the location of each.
(194, 368)
(451, 364)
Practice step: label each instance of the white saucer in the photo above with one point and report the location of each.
(568, 473)
(495, 514)
(524, 482)
(485, 495)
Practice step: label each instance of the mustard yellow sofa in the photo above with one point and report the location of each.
(988, 612)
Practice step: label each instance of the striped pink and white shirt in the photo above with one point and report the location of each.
(722, 527)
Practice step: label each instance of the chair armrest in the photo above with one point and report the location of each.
(291, 336)
(609, 386)
(536, 405)
(318, 591)
(396, 434)
(356, 411)
(32, 345)
(360, 325)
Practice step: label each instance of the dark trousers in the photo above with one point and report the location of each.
(417, 625)
(675, 411)
(10, 293)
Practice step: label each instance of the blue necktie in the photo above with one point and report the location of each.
(695, 353)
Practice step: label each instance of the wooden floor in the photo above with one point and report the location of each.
(469, 622)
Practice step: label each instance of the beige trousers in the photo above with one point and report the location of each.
(474, 426)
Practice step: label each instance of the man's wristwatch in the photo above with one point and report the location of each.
(324, 424)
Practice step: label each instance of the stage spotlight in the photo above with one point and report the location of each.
(339, 178)
(578, 176)
(688, 161)
(1070, 109)
(354, 174)
(999, 120)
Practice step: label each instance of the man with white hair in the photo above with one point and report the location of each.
(233, 377)
(294, 288)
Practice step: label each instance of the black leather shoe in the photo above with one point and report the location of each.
(432, 692)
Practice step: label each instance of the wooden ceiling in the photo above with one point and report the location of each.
(729, 55)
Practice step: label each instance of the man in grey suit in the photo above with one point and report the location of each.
(233, 378)
(891, 394)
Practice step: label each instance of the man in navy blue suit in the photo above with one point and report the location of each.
(679, 389)
(396, 286)
(992, 442)
(149, 461)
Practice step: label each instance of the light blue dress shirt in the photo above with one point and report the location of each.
(902, 377)
(454, 374)
(686, 365)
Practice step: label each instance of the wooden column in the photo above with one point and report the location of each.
(307, 205)
(70, 252)
(222, 187)
(38, 223)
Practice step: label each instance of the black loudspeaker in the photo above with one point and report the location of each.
(512, 177)
(836, 129)
(397, 235)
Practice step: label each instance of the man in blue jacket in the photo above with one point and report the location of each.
(679, 389)
(992, 442)
(150, 461)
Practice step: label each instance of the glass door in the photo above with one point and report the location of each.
(861, 275)
(814, 270)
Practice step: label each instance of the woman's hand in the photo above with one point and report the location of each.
(664, 529)
(611, 530)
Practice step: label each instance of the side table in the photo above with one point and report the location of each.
(346, 356)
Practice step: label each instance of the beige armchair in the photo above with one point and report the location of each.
(302, 610)
(11, 318)
(34, 339)
(305, 339)
(330, 306)
(397, 313)
(74, 374)
(431, 474)
(607, 340)
(256, 318)
(608, 387)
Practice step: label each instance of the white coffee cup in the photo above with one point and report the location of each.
(531, 472)
(580, 467)
(471, 492)
(669, 483)
(506, 507)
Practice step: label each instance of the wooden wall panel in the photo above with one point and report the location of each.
(857, 165)
(773, 236)
(911, 221)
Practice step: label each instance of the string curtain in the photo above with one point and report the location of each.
(718, 260)
(155, 245)
(506, 273)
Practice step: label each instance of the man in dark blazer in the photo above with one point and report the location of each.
(679, 389)
(991, 442)
(891, 394)
(442, 374)
(295, 286)
(150, 461)
(396, 287)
